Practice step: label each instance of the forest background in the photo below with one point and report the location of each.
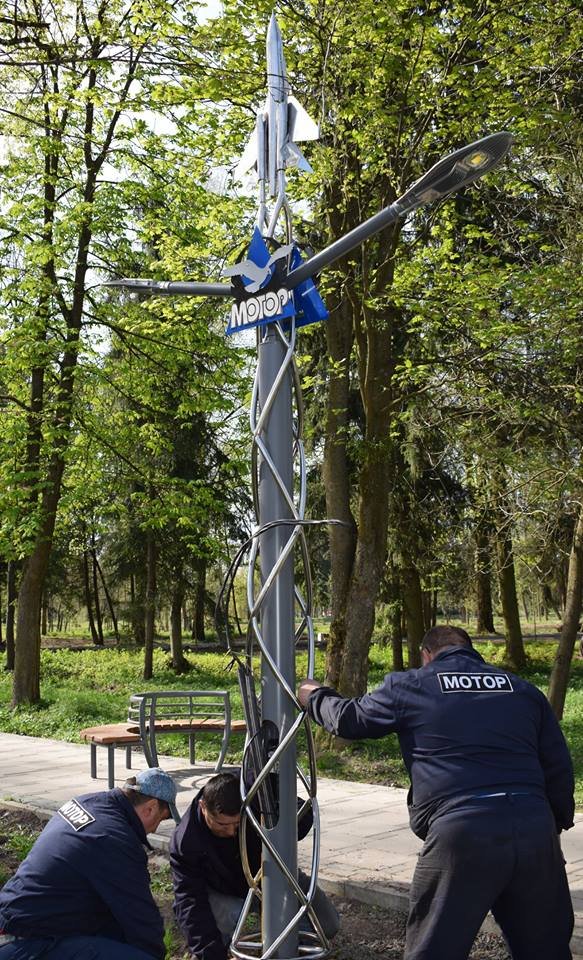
(443, 395)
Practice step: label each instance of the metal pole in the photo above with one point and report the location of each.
(173, 288)
(277, 627)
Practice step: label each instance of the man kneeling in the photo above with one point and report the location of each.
(207, 871)
(83, 891)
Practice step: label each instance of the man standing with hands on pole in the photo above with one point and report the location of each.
(491, 789)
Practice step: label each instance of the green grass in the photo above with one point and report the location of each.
(16, 840)
(81, 689)
(20, 842)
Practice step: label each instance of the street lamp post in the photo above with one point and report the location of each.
(280, 521)
(449, 175)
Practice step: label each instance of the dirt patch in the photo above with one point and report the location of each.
(371, 932)
(18, 831)
(366, 932)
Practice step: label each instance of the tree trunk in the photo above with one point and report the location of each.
(150, 606)
(179, 662)
(137, 611)
(98, 617)
(88, 603)
(44, 624)
(358, 556)
(550, 601)
(413, 603)
(396, 636)
(427, 599)
(562, 666)
(515, 655)
(336, 478)
(485, 613)
(367, 570)
(26, 687)
(10, 611)
(108, 599)
(221, 626)
(198, 626)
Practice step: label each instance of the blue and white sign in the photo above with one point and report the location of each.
(264, 297)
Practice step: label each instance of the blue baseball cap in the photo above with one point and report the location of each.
(156, 783)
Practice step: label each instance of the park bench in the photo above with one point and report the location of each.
(164, 712)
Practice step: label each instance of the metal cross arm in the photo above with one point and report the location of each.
(173, 288)
(447, 176)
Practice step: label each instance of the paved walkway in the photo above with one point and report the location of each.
(367, 851)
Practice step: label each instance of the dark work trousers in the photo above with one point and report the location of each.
(71, 948)
(497, 853)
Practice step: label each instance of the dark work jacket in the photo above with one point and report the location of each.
(201, 861)
(87, 875)
(465, 728)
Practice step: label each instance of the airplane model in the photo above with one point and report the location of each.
(272, 148)
(280, 123)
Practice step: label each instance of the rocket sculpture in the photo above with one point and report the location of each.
(280, 124)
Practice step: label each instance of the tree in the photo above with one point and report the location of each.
(574, 601)
(69, 105)
(80, 77)
(395, 89)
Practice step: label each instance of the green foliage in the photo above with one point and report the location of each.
(87, 688)
(471, 313)
(16, 839)
(161, 879)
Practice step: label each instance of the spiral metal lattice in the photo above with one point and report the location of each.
(268, 744)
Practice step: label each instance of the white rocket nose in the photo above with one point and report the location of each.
(277, 81)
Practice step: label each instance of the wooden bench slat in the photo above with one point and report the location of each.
(112, 733)
(194, 724)
(130, 733)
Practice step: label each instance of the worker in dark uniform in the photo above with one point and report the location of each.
(491, 789)
(83, 891)
(209, 883)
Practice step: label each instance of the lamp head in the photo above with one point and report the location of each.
(457, 170)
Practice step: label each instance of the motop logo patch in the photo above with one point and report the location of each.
(475, 683)
(261, 309)
(76, 815)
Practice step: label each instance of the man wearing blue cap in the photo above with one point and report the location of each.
(83, 891)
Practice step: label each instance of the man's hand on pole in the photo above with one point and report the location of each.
(305, 689)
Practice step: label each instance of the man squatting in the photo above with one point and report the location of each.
(209, 883)
(83, 891)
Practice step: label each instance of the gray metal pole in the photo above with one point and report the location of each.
(173, 288)
(277, 627)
